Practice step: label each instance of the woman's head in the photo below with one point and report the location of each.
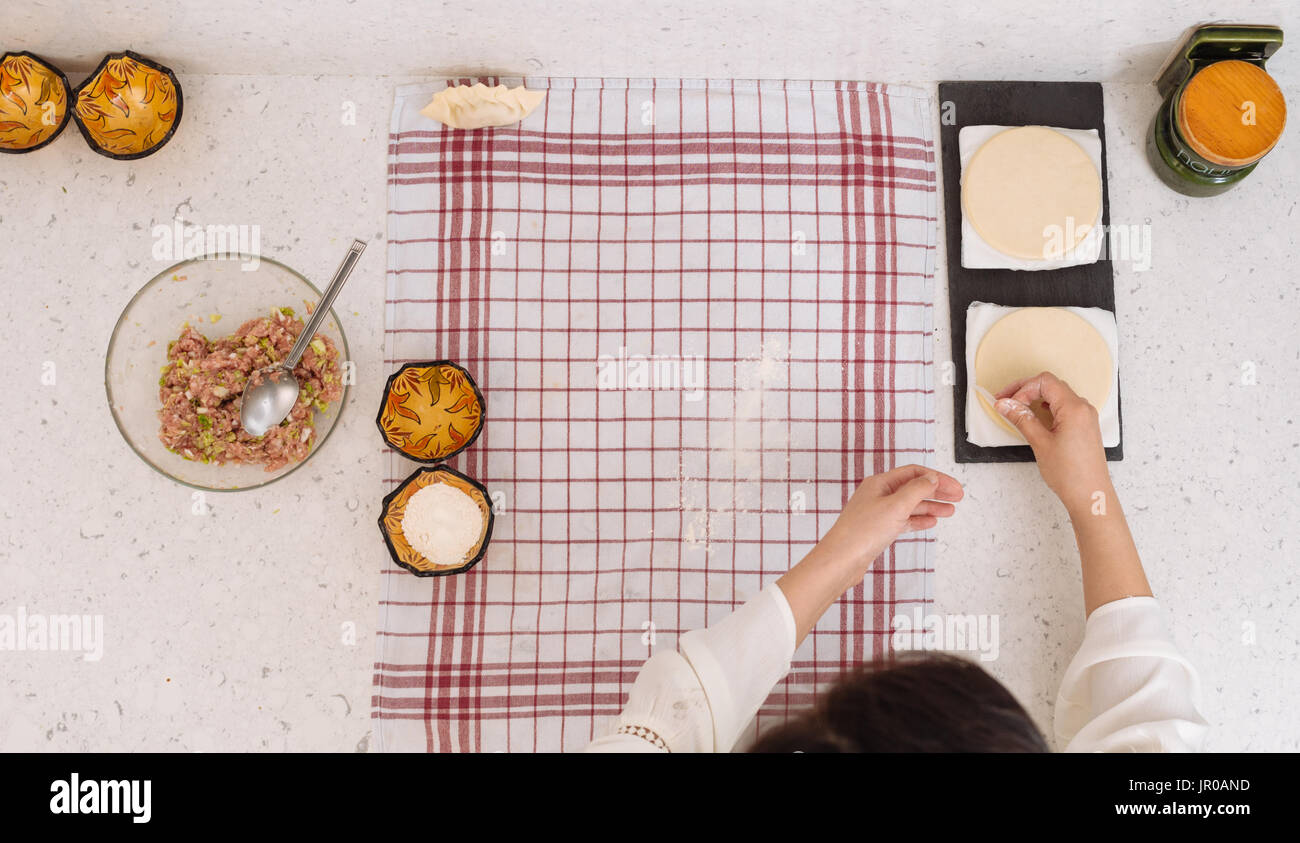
(919, 702)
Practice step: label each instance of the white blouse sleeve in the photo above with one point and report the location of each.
(700, 698)
(1128, 688)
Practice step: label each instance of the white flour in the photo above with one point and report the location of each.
(442, 524)
(738, 460)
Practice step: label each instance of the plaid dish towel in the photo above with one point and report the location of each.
(700, 314)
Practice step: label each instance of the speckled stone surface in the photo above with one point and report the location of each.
(880, 40)
(251, 627)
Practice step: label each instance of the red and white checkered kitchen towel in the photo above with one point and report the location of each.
(700, 314)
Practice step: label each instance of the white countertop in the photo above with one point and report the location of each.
(878, 40)
(216, 640)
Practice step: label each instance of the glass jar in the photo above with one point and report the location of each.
(1221, 111)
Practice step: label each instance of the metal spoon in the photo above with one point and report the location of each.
(270, 401)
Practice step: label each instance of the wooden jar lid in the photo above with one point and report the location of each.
(1213, 113)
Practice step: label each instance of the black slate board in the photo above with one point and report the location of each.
(1068, 105)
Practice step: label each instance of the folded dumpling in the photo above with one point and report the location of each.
(476, 106)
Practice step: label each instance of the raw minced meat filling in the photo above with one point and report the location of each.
(203, 380)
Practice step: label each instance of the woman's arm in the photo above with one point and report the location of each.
(911, 497)
(1127, 688)
(1072, 461)
(701, 697)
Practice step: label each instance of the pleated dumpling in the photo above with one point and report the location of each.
(476, 106)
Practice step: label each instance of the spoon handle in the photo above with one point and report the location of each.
(327, 301)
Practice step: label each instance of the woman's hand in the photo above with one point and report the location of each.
(1070, 455)
(904, 499)
(908, 498)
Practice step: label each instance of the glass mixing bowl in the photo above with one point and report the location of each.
(193, 291)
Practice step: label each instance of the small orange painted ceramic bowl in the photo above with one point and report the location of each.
(431, 411)
(34, 98)
(129, 107)
(390, 521)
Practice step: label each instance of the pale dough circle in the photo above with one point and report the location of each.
(1044, 339)
(1023, 180)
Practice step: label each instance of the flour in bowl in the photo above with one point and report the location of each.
(442, 524)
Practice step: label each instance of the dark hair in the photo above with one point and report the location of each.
(919, 702)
